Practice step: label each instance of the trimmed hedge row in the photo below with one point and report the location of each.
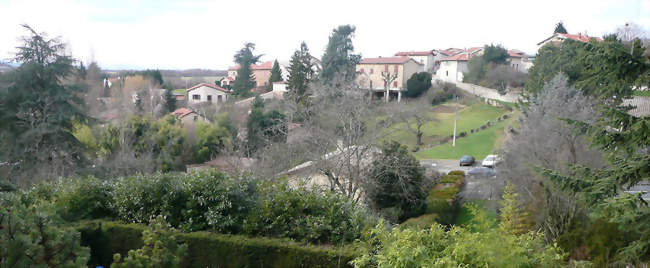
(206, 249)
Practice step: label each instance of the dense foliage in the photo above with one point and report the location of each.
(492, 70)
(301, 74)
(33, 235)
(338, 60)
(396, 182)
(417, 84)
(245, 79)
(607, 70)
(479, 245)
(38, 111)
(276, 75)
(264, 127)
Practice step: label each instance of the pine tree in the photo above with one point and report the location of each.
(513, 217)
(338, 59)
(170, 101)
(301, 73)
(276, 75)
(559, 28)
(39, 110)
(245, 79)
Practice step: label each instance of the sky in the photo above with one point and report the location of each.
(160, 34)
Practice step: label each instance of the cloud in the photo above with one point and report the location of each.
(206, 34)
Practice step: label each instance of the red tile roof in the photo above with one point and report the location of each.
(208, 85)
(516, 54)
(386, 60)
(264, 66)
(182, 112)
(414, 53)
(457, 57)
(580, 37)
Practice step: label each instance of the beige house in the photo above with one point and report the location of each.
(188, 117)
(558, 38)
(370, 72)
(207, 93)
(519, 61)
(261, 72)
(426, 58)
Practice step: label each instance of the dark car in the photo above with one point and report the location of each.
(467, 160)
(482, 172)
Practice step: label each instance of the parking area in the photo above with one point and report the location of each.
(445, 165)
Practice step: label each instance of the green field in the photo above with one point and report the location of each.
(469, 117)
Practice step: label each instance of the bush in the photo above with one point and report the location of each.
(206, 249)
(417, 84)
(457, 172)
(444, 202)
(471, 131)
(483, 127)
(462, 134)
(305, 214)
(455, 179)
(32, 235)
(422, 222)
(442, 93)
(160, 248)
(84, 198)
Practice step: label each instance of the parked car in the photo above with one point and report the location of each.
(491, 160)
(482, 172)
(467, 160)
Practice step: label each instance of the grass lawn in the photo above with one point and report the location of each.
(645, 93)
(469, 117)
(179, 91)
(478, 144)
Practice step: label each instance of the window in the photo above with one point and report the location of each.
(196, 118)
(396, 68)
(210, 98)
(395, 84)
(362, 70)
(371, 71)
(219, 100)
(386, 68)
(196, 97)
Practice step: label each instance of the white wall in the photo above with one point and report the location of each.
(203, 93)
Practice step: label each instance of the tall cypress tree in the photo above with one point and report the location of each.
(338, 59)
(301, 73)
(39, 110)
(559, 28)
(276, 74)
(245, 79)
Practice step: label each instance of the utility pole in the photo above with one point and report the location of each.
(453, 143)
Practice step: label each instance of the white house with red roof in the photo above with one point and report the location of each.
(452, 67)
(558, 38)
(370, 76)
(261, 72)
(207, 93)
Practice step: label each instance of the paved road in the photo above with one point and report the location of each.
(445, 165)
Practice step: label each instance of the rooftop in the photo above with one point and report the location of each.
(210, 86)
(386, 60)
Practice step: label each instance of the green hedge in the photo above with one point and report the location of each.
(206, 249)
(421, 222)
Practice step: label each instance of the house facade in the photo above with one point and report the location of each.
(261, 72)
(207, 93)
(188, 117)
(557, 38)
(426, 58)
(370, 72)
(452, 68)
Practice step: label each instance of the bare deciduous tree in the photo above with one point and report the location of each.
(414, 115)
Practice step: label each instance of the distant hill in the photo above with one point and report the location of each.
(182, 73)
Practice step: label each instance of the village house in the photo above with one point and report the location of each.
(426, 58)
(519, 61)
(207, 93)
(261, 72)
(188, 117)
(558, 38)
(452, 67)
(371, 69)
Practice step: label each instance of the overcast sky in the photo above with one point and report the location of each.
(205, 34)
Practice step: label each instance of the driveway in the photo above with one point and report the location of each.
(446, 165)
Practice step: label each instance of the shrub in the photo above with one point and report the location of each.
(471, 131)
(505, 116)
(455, 179)
(205, 249)
(417, 84)
(457, 172)
(160, 248)
(483, 127)
(444, 203)
(32, 235)
(462, 134)
(84, 198)
(306, 214)
(422, 222)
